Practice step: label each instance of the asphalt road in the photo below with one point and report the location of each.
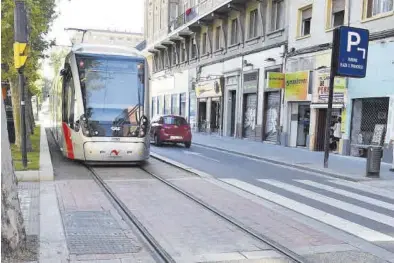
(373, 212)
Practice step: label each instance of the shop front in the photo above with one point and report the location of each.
(209, 106)
(275, 83)
(230, 108)
(298, 104)
(370, 108)
(250, 91)
(319, 107)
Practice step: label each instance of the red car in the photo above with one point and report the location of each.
(170, 128)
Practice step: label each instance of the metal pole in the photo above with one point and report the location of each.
(23, 117)
(334, 59)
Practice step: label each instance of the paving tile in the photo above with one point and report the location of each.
(284, 230)
(189, 229)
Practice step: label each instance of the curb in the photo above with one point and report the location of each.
(301, 167)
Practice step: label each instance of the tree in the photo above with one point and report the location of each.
(40, 20)
(13, 234)
(56, 59)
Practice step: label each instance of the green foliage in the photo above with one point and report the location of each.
(40, 16)
(33, 157)
(56, 58)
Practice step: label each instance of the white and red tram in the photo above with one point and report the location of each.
(99, 105)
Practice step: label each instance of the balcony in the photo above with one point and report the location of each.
(201, 9)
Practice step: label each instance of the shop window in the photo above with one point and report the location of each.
(253, 23)
(159, 109)
(167, 104)
(369, 123)
(377, 7)
(234, 32)
(174, 104)
(154, 107)
(336, 13)
(182, 109)
(305, 22)
(277, 15)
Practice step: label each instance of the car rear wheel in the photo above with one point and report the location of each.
(188, 144)
(157, 140)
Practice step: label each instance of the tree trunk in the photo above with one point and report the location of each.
(13, 234)
(31, 113)
(15, 97)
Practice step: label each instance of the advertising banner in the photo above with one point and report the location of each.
(208, 89)
(275, 80)
(323, 82)
(296, 86)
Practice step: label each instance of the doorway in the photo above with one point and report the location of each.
(233, 96)
(304, 113)
(321, 126)
(202, 116)
(215, 116)
(249, 115)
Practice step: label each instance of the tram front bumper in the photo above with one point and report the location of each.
(116, 151)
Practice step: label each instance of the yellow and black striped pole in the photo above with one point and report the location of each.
(20, 57)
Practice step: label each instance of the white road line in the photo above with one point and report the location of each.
(365, 188)
(378, 217)
(349, 194)
(338, 222)
(201, 155)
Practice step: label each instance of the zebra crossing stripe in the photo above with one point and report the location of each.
(365, 188)
(335, 221)
(359, 197)
(378, 217)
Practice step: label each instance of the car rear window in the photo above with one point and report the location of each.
(174, 120)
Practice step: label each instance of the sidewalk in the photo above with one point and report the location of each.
(344, 167)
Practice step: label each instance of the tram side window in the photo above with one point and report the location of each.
(68, 100)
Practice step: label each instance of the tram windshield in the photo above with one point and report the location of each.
(113, 92)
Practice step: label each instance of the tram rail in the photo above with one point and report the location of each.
(161, 252)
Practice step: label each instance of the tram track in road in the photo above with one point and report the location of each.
(123, 210)
(160, 251)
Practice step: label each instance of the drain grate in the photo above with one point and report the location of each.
(96, 232)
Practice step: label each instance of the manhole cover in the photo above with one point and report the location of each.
(96, 232)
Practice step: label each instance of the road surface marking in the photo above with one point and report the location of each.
(338, 222)
(200, 155)
(349, 194)
(378, 217)
(365, 188)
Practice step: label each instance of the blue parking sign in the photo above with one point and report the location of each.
(352, 52)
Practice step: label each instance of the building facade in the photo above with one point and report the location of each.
(98, 36)
(260, 69)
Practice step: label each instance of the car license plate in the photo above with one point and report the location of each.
(176, 137)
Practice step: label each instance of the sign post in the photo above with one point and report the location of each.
(348, 59)
(20, 57)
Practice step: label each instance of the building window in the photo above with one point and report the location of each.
(154, 107)
(377, 7)
(336, 13)
(182, 108)
(204, 43)
(217, 37)
(253, 23)
(174, 55)
(277, 15)
(158, 109)
(183, 52)
(174, 104)
(234, 32)
(194, 48)
(167, 104)
(306, 20)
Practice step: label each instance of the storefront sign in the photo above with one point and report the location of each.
(323, 81)
(275, 80)
(208, 89)
(296, 86)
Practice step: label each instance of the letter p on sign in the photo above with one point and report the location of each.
(353, 39)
